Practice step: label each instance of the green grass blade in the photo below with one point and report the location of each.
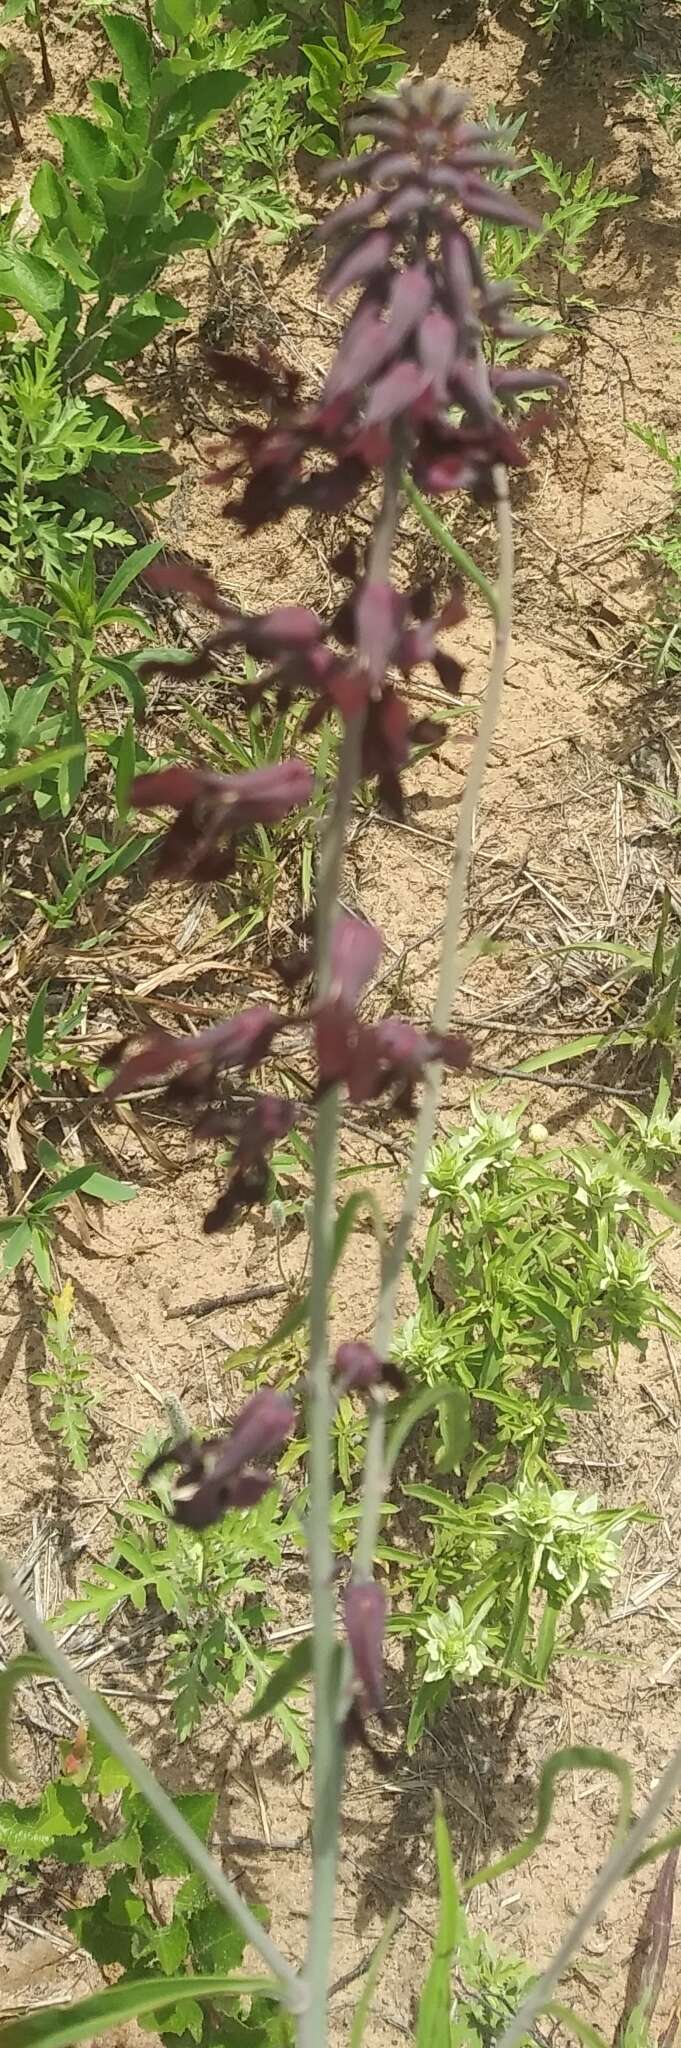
(432, 2027)
(363, 2008)
(580, 1757)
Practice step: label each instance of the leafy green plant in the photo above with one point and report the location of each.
(343, 72)
(588, 17)
(29, 1232)
(663, 90)
(210, 1591)
(66, 1378)
(151, 1917)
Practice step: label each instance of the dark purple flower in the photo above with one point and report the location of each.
(217, 1475)
(358, 1369)
(270, 1119)
(242, 1041)
(356, 949)
(211, 808)
(393, 1054)
(364, 1611)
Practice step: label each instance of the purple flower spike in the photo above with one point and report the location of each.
(271, 1118)
(260, 1429)
(365, 1609)
(358, 1369)
(393, 1054)
(211, 808)
(240, 1042)
(355, 952)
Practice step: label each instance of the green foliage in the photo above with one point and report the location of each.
(646, 1003)
(663, 90)
(555, 249)
(92, 1817)
(343, 72)
(65, 1377)
(536, 1268)
(210, 1594)
(30, 1231)
(588, 17)
(662, 638)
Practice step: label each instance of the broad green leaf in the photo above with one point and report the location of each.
(6, 1039)
(216, 1943)
(88, 156)
(202, 99)
(162, 1855)
(125, 199)
(289, 1673)
(432, 2026)
(134, 52)
(36, 285)
(17, 1244)
(89, 2018)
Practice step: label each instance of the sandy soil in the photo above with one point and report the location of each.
(565, 845)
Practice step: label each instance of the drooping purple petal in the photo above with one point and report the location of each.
(369, 254)
(356, 949)
(358, 1369)
(242, 1041)
(399, 391)
(365, 1609)
(260, 1429)
(174, 787)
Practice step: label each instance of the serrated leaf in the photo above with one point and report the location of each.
(216, 1943)
(37, 286)
(134, 52)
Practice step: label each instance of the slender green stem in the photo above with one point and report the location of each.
(97, 1715)
(452, 547)
(617, 1865)
(328, 1755)
(450, 974)
(327, 1760)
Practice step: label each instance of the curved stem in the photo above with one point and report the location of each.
(450, 975)
(97, 1715)
(617, 1865)
(452, 547)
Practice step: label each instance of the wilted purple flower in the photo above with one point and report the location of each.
(358, 1369)
(211, 808)
(270, 1119)
(364, 1611)
(217, 1475)
(242, 1041)
(356, 949)
(393, 1053)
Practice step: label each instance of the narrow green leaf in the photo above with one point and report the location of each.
(17, 1244)
(105, 1188)
(579, 1757)
(28, 1666)
(35, 1028)
(289, 1673)
(363, 2007)
(569, 1049)
(125, 575)
(432, 2026)
(88, 2018)
(6, 1039)
(33, 771)
(125, 767)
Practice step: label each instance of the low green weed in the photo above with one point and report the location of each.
(342, 72)
(663, 90)
(646, 999)
(588, 17)
(209, 1590)
(522, 255)
(145, 1913)
(30, 1231)
(537, 1266)
(65, 1377)
(662, 638)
